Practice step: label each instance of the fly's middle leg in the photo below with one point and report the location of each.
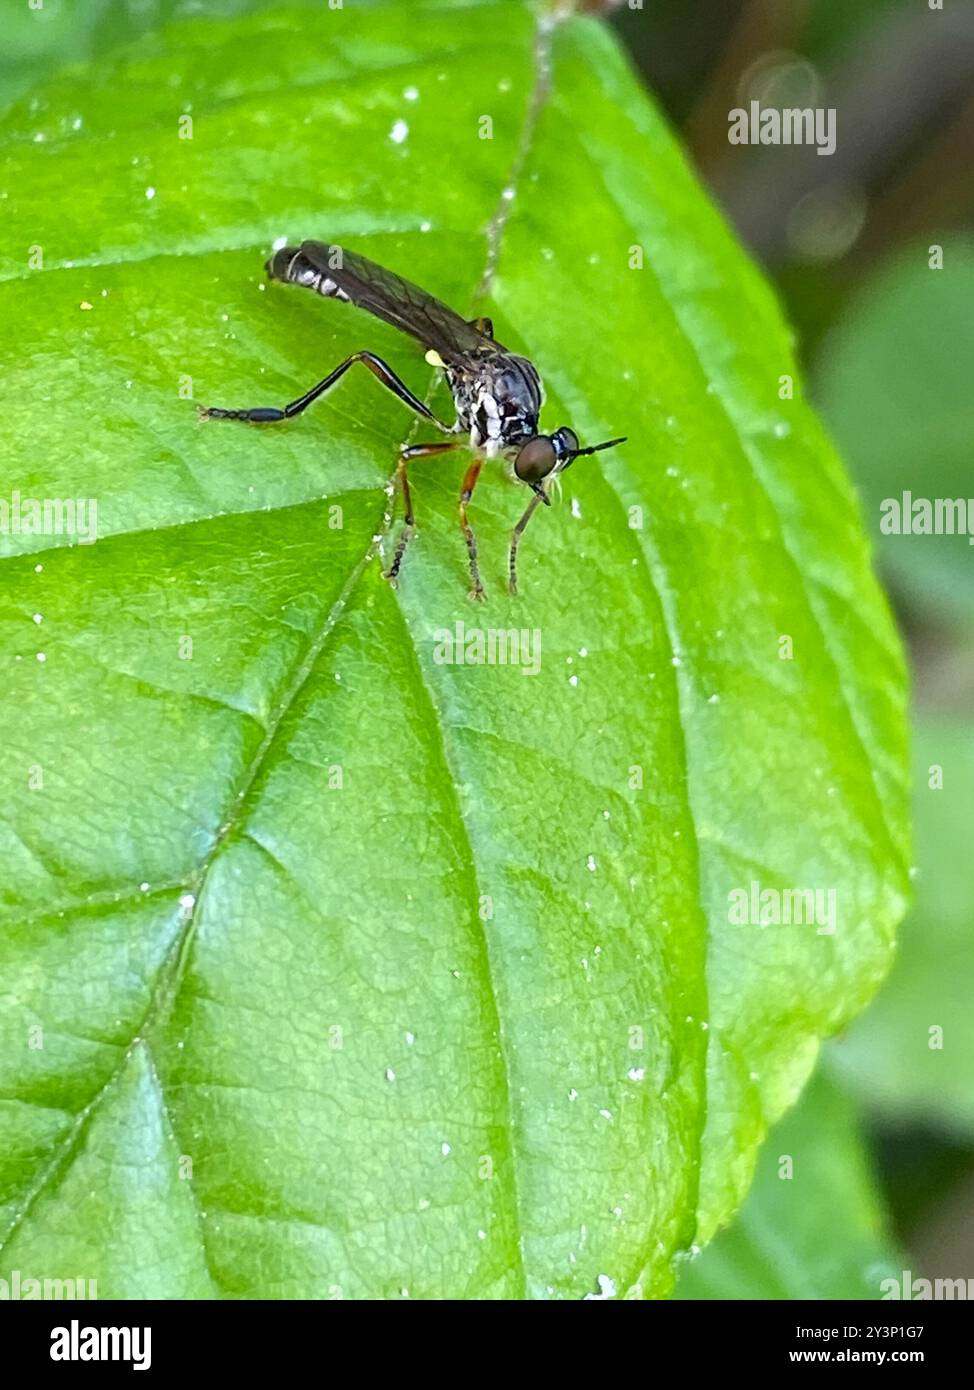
(411, 451)
(408, 521)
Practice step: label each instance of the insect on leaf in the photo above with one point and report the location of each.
(339, 958)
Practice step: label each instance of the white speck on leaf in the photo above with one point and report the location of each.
(607, 1289)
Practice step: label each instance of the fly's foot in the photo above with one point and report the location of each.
(260, 415)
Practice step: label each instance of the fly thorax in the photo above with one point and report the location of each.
(487, 417)
(498, 399)
(465, 389)
(514, 403)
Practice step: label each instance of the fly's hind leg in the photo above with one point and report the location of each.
(412, 451)
(382, 372)
(466, 492)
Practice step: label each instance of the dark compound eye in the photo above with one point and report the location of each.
(535, 460)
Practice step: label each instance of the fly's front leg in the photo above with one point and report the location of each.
(412, 451)
(539, 497)
(263, 415)
(466, 492)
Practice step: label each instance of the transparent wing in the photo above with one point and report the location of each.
(338, 273)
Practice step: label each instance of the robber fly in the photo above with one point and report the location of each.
(497, 394)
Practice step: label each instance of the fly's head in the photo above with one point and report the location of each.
(546, 455)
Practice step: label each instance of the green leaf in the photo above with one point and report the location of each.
(332, 968)
(911, 1055)
(813, 1225)
(894, 383)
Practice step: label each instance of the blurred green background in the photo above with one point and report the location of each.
(883, 1141)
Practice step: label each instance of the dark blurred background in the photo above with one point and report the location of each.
(888, 350)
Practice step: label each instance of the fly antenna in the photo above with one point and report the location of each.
(594, 448)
